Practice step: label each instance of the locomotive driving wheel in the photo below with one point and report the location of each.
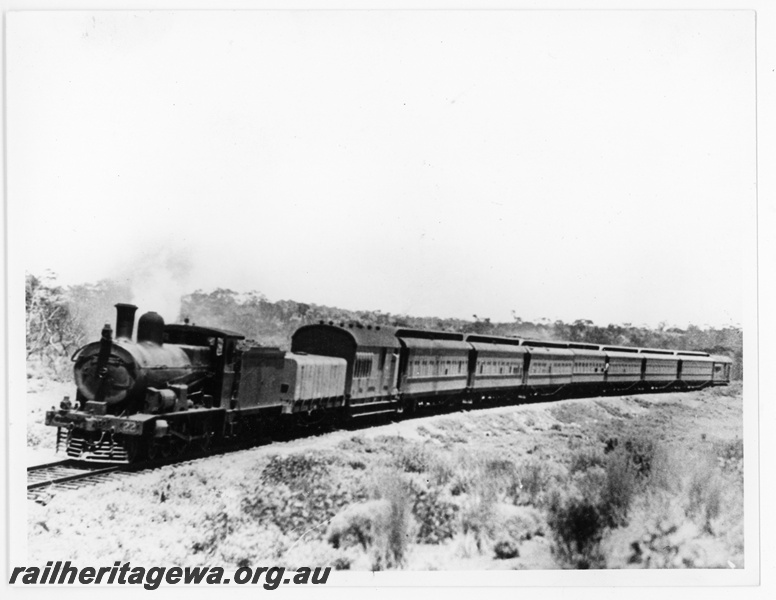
(135, 447)
(154, 449)
(161, 449)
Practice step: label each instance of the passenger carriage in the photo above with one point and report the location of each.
(622, 369)
(497, 367)
(433, 367)
(371, 354)
(550, 367)
(589, 368)
(695, 369)
(660, 368)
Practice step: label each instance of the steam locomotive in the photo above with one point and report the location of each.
(178, 388)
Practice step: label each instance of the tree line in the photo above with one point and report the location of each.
(61, 319)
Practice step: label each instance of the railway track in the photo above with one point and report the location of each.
(44, 481)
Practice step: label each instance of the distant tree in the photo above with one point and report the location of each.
(92, 304)
(52, 333)
(479, 326)
(50, 326)
(561, 331)
(578, 330)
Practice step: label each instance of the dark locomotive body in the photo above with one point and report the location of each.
(176, 388)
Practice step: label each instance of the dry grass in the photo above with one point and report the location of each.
(392, 525)
(651, 508)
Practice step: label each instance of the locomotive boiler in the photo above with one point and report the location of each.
(114, 376)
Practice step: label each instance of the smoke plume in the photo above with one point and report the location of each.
(158, 277)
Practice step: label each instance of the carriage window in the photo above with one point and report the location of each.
(363, 365)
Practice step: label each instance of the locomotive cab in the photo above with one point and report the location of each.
(223, 355)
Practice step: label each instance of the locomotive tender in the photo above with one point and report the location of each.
(176, 388)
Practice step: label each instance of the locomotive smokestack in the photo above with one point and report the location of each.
(125, 320)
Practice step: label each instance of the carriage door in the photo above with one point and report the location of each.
(526, 366)
(471, 368)
(404, 361)
(394, 372)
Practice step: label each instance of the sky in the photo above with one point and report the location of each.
(546, 164)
